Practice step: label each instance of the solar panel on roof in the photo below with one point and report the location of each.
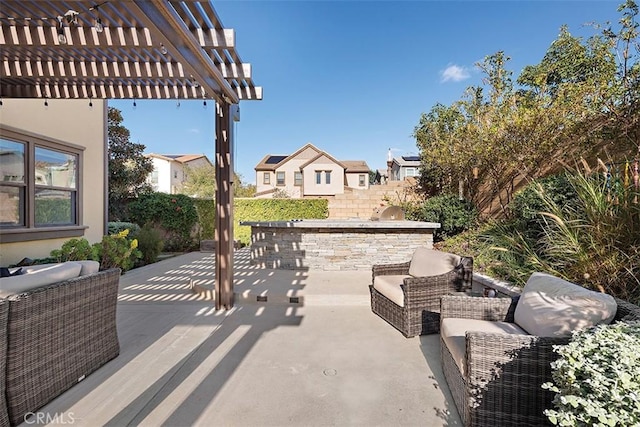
(272, 160)
(411, 158)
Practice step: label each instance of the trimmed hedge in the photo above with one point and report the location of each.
(259, 210)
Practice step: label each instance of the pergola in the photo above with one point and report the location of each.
(125, 49)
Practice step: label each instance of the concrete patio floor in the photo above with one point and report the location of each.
(326, 360)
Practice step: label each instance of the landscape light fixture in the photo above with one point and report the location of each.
(61, 37)
(163, 49)
(71, 16)
(98, 26)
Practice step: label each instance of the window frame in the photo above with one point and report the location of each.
(28, 231)
(318, 177)
(279, 182)
(297, 178)
(266, 178)
(327, 177)
(362, 180)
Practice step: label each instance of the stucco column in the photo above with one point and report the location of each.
(224, 209)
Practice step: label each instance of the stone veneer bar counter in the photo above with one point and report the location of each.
(337, 245)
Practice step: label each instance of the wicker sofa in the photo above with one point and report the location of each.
(407, 295)
(497, 379)
(52, 336)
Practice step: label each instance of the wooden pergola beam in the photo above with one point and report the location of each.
(147, 49)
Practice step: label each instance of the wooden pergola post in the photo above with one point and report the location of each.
(224, 209)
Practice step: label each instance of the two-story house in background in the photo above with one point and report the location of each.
(309, 172)
(404, 167)
(169, 170)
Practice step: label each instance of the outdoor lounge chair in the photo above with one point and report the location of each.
(494, 367)
(408, 295)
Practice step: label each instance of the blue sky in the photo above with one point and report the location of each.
(353, 77)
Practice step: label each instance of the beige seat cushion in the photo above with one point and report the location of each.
(37, 276)
(389, 286)
(428, 262)
(453, 334)
(552, 307)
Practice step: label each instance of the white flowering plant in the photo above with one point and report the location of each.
(597, 377)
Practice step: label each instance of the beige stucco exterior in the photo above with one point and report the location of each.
(74, 123)
(353, 180)
(323, 165)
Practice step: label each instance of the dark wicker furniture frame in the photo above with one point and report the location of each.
(504, 373)
(421, 312)
(55, 336)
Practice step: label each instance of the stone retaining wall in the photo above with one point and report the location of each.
(334, 249)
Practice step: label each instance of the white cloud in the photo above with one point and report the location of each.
(454, 73)
(194, 130)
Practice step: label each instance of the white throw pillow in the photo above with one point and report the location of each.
(552, 307)
(37, 276)
(428, 262)
(88, 267)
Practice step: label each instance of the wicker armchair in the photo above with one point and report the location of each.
(411, 301)
(55, 336)
(500, 384)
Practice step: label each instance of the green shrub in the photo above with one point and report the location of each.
(527, 204)
(119, 226)
(175, 214)
(597, 378)
(206, 209)
(453, 214)
(150, 244)
(74, 250)
(275, 210)
(116, 251)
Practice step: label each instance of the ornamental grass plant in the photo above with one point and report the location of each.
(593, 240)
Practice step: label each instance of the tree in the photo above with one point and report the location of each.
(128, 167)
(581, 99)
(200, 182)
(241, 189)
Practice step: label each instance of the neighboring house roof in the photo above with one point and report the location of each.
(355, 166)
(407, 161)
(181, 158)
(320, 155)
(271, 162)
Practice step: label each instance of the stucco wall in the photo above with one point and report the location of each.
(309, 178)
(72, 122)
(353, 180)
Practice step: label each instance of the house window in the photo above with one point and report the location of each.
(297, 178)
(39, 187)
(411, 172)
(327, 177)
(361, 180)
(279, 178)
(318, 177)
(175, 174)
(266, 178)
